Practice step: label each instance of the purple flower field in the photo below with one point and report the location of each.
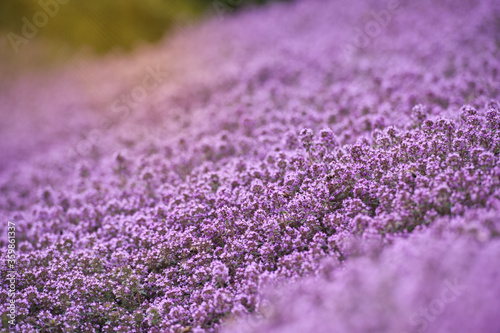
(307, 166)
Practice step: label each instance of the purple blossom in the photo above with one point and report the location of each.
(359, 190)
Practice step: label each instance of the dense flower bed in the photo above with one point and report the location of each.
(442, 279)
(287, 163)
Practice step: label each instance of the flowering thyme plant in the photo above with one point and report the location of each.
(365, 187)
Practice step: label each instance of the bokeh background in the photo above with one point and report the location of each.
(98, 27)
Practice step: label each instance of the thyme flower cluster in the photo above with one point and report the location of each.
(360, 187)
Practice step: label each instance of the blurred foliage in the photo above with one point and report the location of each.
(104, 25)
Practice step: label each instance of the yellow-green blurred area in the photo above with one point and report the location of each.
(98, 25)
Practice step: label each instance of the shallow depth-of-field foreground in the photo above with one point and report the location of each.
(309, 166)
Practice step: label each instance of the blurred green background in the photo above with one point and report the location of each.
(102, 25)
